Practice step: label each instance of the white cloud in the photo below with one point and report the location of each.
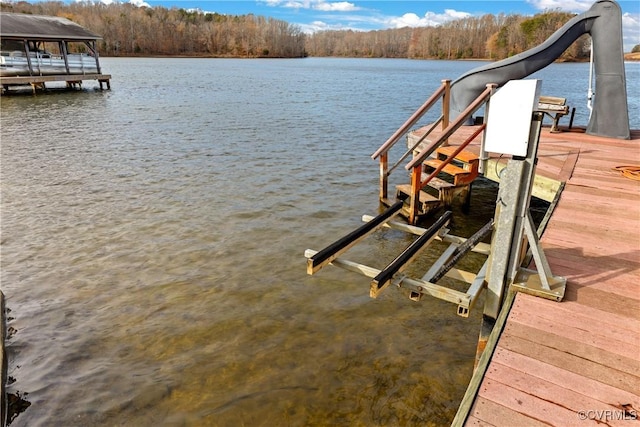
(566, 5)
(630, 30)
(339, 6)
(323, 5)
(430, 19)
(139, 3)
(316, 26)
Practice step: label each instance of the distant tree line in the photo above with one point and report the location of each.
(485, 37)
(128, 30)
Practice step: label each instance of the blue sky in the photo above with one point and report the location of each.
(314, 15)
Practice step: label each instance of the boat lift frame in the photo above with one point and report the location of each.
(392, 274)
(512, 229)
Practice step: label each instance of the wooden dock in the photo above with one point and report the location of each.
(39, 82)
(575, 362)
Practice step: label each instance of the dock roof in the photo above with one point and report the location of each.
(41, 27)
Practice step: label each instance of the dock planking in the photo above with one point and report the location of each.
(553, 360)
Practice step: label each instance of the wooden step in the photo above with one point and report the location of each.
(439, 184)
(463, 156)
(448, 169)
(427, 201)
(460, 176)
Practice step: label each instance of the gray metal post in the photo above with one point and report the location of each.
(516, 181)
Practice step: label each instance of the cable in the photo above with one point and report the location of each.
(631, 172)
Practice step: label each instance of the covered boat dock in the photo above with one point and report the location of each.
(37, 49)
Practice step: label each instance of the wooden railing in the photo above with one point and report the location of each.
(415, 165)
(383, 152)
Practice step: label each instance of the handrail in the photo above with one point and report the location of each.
(413, 147)
(415, 165)
(459, 121)
(411, 121)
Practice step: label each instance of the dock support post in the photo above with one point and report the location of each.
(384, 176)
(414, 198)
(446, 106)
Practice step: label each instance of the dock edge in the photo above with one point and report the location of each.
(478, 374)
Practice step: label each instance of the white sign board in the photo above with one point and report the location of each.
(510, 112)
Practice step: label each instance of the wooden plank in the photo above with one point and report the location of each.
(493, 413)
(602, 229)
(425, 198)
(625, 344)
(569, 165)
(533, 366)
(54, 78)
(586, 351)
(569, 401)
(617, 281)
(575, 314)
(591, 214)
(588, 180)
(552, 100)
(513, 339)
(464, 156)
(626, 250)
(552, 108)
(448, 169)
(439, 184)
(475, 422)
(530, 406)
(594, 298)
(599, 197)
(591, 263)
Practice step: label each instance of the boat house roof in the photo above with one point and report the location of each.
(39, 27)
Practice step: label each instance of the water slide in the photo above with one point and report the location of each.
(603, 21)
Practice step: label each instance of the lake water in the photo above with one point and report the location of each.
(153, 239)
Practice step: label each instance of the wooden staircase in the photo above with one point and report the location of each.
(429, 154)
(453, 181)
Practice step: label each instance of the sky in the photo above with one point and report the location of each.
(317, 15)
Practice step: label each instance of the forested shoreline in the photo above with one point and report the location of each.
(128, 30)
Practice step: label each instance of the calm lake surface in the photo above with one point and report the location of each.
(153, 239)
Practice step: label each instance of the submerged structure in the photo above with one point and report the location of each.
(36, 49)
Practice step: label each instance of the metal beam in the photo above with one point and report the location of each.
(341, 245)
(383, 279)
